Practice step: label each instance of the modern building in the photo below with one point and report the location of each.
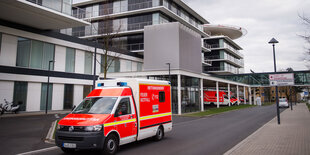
(155, 39)
(225, 55)
(29, 42)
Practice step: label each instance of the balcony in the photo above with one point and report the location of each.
(41, 14)
(229, 48)
(137, 48)
(222, 70)
(206, 47)
(236, 62)
(124, 29)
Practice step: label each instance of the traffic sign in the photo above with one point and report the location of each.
(281, 79)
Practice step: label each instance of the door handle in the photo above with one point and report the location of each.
(130, 116)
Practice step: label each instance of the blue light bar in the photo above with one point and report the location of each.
(100, 84)
(122, 84)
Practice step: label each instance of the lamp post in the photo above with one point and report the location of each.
(48, 84)
(169, 72)
(273, 41)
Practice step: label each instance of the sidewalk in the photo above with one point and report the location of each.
(291, 137)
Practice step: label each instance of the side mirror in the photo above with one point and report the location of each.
(73, 107)
(117, 113)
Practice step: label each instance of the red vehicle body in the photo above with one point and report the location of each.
(117, 112)
(210, 97)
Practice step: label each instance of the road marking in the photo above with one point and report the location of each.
(39, 151)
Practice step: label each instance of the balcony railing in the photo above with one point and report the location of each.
(234, 60)
(83, 13)
(228, 47)
(131, 47)
(222, 69)
(108, 30)
(207, 46)
(56, 5)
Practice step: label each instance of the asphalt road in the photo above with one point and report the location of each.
(208, 135)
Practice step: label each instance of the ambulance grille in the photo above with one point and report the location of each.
(71, 138)
(76, 128)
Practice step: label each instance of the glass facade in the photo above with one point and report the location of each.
(63, 6)
(43, 96)
(70, 60)
(34, 54)
(86, 90)
(20, 94)
(190, 93)
(88, 62)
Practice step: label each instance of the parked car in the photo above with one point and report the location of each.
(283, 103)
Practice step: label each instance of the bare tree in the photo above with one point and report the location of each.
(306, 37)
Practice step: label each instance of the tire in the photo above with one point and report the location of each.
(110, 145)
(67, 151)
(159, 134)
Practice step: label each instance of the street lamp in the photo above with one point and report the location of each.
(169, 72)
(273, 41)
(48, 83)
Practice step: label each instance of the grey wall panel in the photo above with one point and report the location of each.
(161, 46)
(190, 50)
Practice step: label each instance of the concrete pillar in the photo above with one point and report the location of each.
(238, 101)
(244, 97)
(179, 94)
(201, 94)
(229, 94)
(217, 95)
(250, 96)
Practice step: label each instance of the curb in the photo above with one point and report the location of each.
(49, 137)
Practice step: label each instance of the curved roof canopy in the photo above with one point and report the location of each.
(233, 32)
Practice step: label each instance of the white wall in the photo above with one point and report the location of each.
(78, 94)
(60, 58)
(98, 64)
(8, 50)
(33, 96)
(6, 91)
(58, 96)
(79, 61)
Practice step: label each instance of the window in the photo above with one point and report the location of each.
(86, 90)
(123, 107)
(43, 96)
(161, 96)
(139, 67)
(128, 65)
(88, 63)
(114, 67)
(34, 54)
(68, 96)
(70, 60)
(20, 94)
(0, 41)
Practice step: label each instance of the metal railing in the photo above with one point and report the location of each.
(106, 30)
(232, 49)
(131, 47)
(57, 5)
(206, 45)
(224, 69)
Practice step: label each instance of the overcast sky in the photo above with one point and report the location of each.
(263, 19)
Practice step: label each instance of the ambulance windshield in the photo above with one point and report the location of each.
(96, 105)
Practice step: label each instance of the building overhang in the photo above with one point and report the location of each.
(232, 32)
(144, 74)
(227, 39)
(36, 16)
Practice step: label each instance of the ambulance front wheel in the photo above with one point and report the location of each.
(110, 145)
(159, 134)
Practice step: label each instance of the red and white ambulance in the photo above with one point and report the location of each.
(210, 98)
(117, 112)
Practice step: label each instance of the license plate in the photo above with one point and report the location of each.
(69, 145)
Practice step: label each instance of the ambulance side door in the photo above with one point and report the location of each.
(125, 113)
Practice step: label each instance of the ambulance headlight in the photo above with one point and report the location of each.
(93, 128)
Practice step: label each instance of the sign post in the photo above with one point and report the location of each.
(276, 80)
